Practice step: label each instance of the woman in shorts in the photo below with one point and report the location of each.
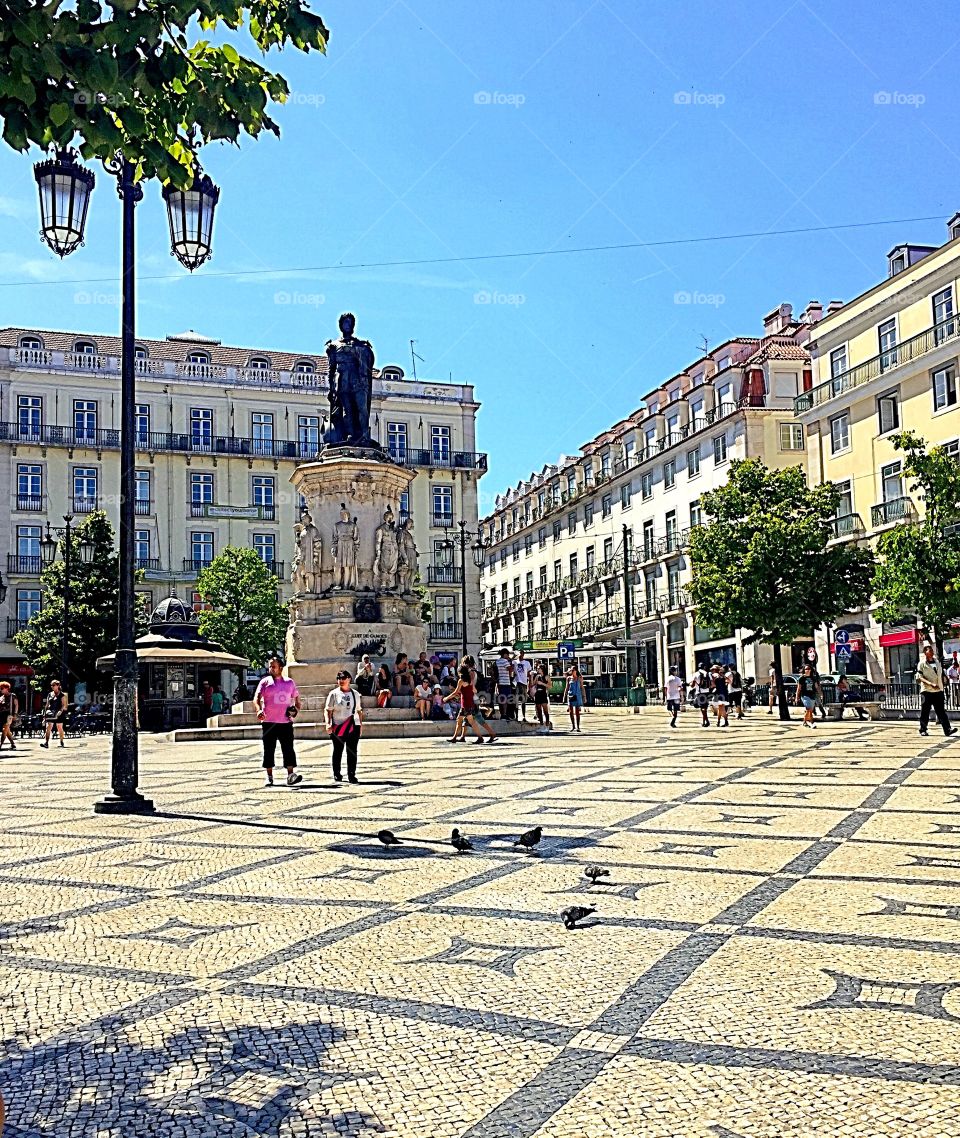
(720, 695)
(573, 697)
(807, 694)
(541, 697)
(470, 713)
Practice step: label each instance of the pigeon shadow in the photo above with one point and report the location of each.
(381, 853)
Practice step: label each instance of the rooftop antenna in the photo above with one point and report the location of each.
(704, 347)
(414, 357)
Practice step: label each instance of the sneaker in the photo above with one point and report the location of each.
(293, 778)
(952, 731)
(47, 744)
(354, 780)
(269, 782)
(338, 778)
(923, 731)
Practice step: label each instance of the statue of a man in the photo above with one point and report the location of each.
(309, 554)
(346, 538)
(408, 558)
(386, 554)
(350, 373)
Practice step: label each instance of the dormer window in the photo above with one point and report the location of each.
(304, 367)
(391, 372)
(200, 359)
(85, 348)
(953, 227)
(32, 343)
(897, 264)
(259, 363)
(723, 362)
(140, 352)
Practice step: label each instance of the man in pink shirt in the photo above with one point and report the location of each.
(278, 702)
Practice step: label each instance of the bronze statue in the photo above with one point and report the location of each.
(350, 373)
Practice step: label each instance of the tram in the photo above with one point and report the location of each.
(601, 665)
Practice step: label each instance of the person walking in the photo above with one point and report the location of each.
(54, 713)
(505, 680)
(573, 697)
(843, 698)
(277, 704)
(522, 669)
(818, 692)
(806, 694)
(470, 713)
(930, 678)
(9, 709)
(541, 698)
(953, 678)
(700, 686)
(772, 686)
(674, 690)
(343, 713)
(735, 687)
(217, 701)
(720, 695)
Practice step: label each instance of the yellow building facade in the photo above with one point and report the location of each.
(219, 430)
(883, 362)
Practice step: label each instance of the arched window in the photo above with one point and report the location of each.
(259, 363)
(32, 342)
(201, 359)
(304, 367)
(140, 352)
(85, 348)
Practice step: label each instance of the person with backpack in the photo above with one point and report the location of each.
(343, 713)
(700, 687)
(721, 695)
(735, 686)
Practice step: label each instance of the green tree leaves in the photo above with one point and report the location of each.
(246, 615)
(918, 564)
(126, 76)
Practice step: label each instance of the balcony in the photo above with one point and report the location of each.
(147, 563)
(446, 630)
(854, 377)
(235, 513)
(848, 525)
(15, 625)
(276, 568)
(21, 565)
(31, 503)
(85, 504)
(196, 565)
(896, 510)
(672, 600)
(442, 521)
(143, 507)
(444, 575)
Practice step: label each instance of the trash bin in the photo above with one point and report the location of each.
(638, 697)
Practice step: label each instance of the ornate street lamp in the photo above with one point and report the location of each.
(65, 187)
(190, 213)
(460, 540)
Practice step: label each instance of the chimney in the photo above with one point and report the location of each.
(814, 312)
(834, 306)
(778, 319)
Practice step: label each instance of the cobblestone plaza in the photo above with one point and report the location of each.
(774, 953)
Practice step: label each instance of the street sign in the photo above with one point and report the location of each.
(566, 650)
(842, 636)
(632, 642)
(523, 645)
(844, 652)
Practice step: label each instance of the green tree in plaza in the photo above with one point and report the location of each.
(918, 562)
(764, 559)
(245, 615)
(134, 75)
(92, 624)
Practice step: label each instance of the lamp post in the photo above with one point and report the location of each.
(65, 187)
(48, 554)
(460, 539)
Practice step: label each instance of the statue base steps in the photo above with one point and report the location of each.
(403, 729)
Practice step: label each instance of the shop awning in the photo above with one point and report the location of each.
(894, 639)
(15, 668)
(177, 654)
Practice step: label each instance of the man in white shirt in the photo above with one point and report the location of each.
(674, 695)
(521, 674)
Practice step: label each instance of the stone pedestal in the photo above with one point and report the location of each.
(332, 623)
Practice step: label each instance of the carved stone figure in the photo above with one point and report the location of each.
(350, 371)
(386, 554)
(408, 558)
(308, 555)
(346, 538)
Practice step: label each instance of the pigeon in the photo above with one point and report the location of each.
(388, 837)
(573, 914)
(531, 838)
(592, 872)
(459, 842)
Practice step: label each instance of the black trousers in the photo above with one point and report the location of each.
(933, 701)
(281, 733)
(348, 742)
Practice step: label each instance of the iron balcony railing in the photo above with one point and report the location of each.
(443, 521)
(848, 525)
(276, 568)
(15, 625)
(32, 503)
(444, 575)
(22, 565)
(446, 630)
(147, 563)
(85, 503)
(896, 510)
(196, 564)
(143, 507)
(906, 352)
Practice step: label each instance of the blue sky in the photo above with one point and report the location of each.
(438, 129)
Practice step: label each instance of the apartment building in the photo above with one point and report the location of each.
(557, 568)
(219, 430)
(885, 361)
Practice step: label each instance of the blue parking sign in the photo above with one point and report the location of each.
(566, 651)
